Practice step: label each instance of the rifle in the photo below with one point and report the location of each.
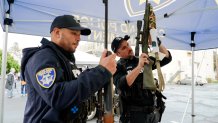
(148, 79)
(108, 101)
(149, 29)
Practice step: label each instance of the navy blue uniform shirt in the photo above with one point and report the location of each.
(54, 85)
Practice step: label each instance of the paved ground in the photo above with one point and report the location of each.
(178, 98)
(14, 107)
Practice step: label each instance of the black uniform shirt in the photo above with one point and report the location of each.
(135, 94)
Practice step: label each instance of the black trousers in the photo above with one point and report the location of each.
(139, 117)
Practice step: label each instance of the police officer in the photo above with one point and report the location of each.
(137, 104)
(56, 92)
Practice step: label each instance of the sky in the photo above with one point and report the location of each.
(22, 40)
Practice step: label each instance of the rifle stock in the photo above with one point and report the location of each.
(108, 103)
(108, 100)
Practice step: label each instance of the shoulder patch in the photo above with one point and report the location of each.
(46, 77)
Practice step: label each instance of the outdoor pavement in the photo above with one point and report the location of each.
(178, 100)
(14, 107)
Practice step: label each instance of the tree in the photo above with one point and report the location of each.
(11, 63)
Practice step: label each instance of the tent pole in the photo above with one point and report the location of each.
(3, 71)
(191, 95)
(193, 86)
(7, 23)
(192, 44)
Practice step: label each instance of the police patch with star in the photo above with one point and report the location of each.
(46, 77)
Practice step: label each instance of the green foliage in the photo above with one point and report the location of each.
(209, 80)
(214, 81)
(11, 63)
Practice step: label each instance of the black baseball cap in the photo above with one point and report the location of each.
(69, 22)
(117, 41)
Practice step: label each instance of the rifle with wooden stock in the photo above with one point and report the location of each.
(108, 90)
(105, 114)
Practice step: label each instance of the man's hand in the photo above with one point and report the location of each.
(108, 62)
(143, 59)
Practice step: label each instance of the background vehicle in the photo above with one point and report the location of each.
(187, 81)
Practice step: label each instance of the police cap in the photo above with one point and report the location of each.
(117, 41)
(69, 22)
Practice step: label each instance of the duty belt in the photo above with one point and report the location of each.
(146, 109)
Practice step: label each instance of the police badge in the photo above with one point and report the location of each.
(46, 77)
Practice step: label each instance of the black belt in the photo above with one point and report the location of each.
(146, 109)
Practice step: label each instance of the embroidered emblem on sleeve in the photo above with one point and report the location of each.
(46, 77)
